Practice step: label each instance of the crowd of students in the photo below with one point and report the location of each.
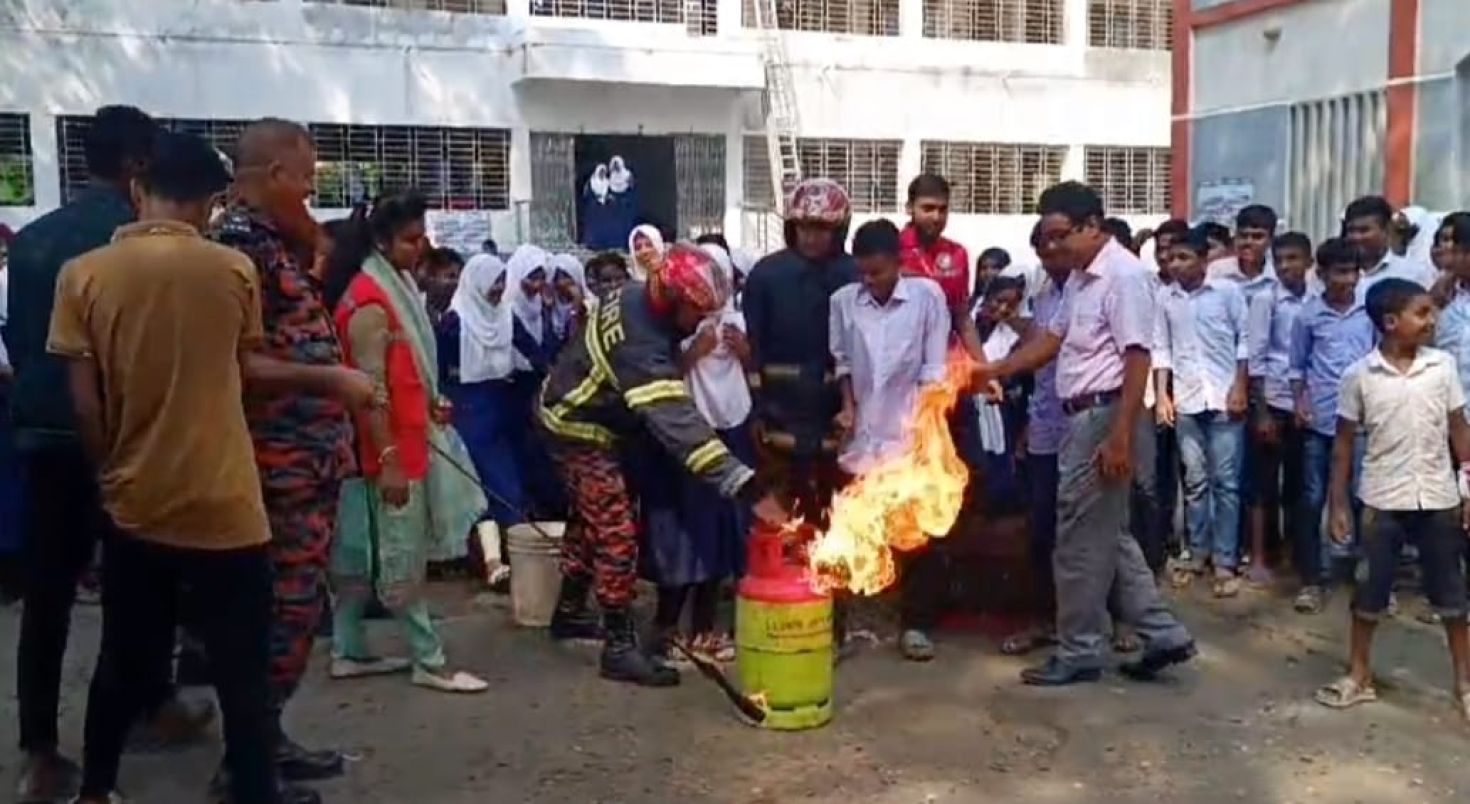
(261, 418)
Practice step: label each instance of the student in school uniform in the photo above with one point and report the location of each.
(1366, 224)
(1275, 437)
(1406, 400)
(1332, 332)
(1199, 360)
(1166, 444)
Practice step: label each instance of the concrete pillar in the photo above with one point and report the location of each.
(734, 178)
(1074, 164)
(1074, 23)
(728, 18)
(911, 19)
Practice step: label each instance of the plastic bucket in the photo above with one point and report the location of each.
(535, 571)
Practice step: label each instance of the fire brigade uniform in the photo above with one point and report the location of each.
(620, 377)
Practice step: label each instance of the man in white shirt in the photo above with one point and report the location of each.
(1200, 345)
(1365, 225)
(888, 335)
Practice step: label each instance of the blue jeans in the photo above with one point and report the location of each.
(1211, 445)
(1313, 547)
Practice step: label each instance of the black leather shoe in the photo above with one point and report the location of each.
(1056, 673)
(297, 764)
(219, 791)
(1148, 667)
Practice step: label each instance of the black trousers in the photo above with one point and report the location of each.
(923, 577)
(229, 594)
(63, 521)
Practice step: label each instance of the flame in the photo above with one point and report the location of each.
(907, 499)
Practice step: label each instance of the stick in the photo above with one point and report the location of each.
(473, 478)
(710, 670)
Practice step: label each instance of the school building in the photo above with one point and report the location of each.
(1306, 104)
(501, 110)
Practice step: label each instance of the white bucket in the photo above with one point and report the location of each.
(535, 571)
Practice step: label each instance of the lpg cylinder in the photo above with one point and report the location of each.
(783, 637)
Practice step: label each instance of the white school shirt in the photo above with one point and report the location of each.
(1200, 337)
(1393, 265)
(888, 351)
(1407, 465)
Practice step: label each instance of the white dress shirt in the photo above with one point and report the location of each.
(1200, 336)
(1406, 466)
(887, 350)
(1392, 264)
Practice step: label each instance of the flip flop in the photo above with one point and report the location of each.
(1345, 693)
(457, 682)
(1310, 600)
(1227, 586)
(1023, 642)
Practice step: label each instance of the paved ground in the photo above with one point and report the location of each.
(1238, 726)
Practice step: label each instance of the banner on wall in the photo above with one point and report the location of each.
(461, 230)
(1219, 201)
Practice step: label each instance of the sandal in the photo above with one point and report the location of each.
(1023, 642)
(443, 681)
(715, 646)
(1345, 693)
(1310, 600)
(1125, 641)
(1260, 576)
(1227, 585)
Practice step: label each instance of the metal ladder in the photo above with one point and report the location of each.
(779, 102)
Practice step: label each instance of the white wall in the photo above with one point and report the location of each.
(324, 63)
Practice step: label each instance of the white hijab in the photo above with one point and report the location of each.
(486, 330)
(1421, 247)
(598, 184)
(562, 312)
(529, 311)
(651, 232)
(717, 380)
(619, 177)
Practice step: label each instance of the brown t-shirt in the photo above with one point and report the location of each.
(164, 315)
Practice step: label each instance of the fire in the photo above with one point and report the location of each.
(902, 503)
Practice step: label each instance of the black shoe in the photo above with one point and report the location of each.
(572, 620)
(623, 660)
(1148, 667)
(1055, 673)
(219, 791)
(297, 764)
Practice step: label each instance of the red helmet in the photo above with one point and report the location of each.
(688, 274)
(820, 201)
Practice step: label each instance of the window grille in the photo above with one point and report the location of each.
(1131, 180)
(699, 181)
(554, 190)
(1336, 155)
(71, 138)
(867, 169)
(860, 17)
(453, 6)
(455, 168)
(994, 178)
(17, 172)
(698, 16)
(1131, 24)
(1028, 21)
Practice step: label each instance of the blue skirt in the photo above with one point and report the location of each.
(691, 533)
(11, 540)
(484, 415)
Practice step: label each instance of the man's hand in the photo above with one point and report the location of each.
(769, 510)
(1115, 455)
(844, 421)
(1340, 521)
(1303, 412)
(1164, 412)
(392, 483)
(355, 389)
(1235, 401)
(983, 376)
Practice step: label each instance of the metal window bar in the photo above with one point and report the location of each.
(71, 138)
(858, 17)
(1026, 21)
(1336, 155)
(1131, 24)
(994, 178)
(554, 190)
(867, 168)
(757, 191)
(491, 7)
(697, 16)
(455, 168)
(1131, 180)
(17, 169)
(699, 184)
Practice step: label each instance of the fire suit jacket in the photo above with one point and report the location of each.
(621, 372)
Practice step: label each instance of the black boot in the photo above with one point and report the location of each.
(623, 660)
(572, 619)
(299, 764)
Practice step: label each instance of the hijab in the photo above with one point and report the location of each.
(1426, 225)
(717, 380)
(562, 312)
(530, 312)
(651, 232)
(619, 177)
(598, 184)
(486, 330)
